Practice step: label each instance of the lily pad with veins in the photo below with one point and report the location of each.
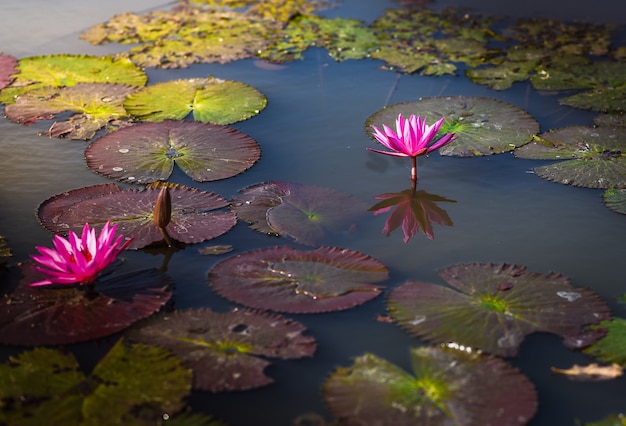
(611, 348)
(286, 280)
(447, 387)
(97, 105)
(593, 157)
(306, 213)
(193, 218)
(483, 126)
(62, 315)
(36, 72)
(227, 351)
(147, 152)
(133, 385)
(615, 199)
(208, 99)
(8, 67)
(493, 307)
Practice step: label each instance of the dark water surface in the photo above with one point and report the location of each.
(312, 132)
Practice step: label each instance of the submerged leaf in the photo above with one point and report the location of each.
(193, 218)
(448, 387)
(208, 99)
(483, 126)
(595, 157)
(56, 316)
(493, 307)
(287, 280)
(67, 70)
(147, 152)
(223, 349)
(96, 105)
(306, 213)
(135, 385)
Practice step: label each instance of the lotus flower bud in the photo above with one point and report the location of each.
(162, 213)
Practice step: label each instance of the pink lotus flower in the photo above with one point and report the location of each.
(79, 260)
(411, 139)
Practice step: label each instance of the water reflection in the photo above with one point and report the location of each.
(414, 209)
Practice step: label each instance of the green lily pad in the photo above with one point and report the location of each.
(607, 81)
(448, 387)
(493, 307)
(516, 65)
(66, 70)
(61, 315)
(286, 280)
(595, 157)
(193, 218)
(147, 152)
(615, 119)
(483, 126)
(612, 420)
(136, 385)
(8, 67)
(97, 105)
(615, 199)
(281, 10)
(209, 99)
(305, 213)
(186, 35)
(611, 348)
(224, 350)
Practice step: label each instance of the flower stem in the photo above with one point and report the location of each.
(414, 169)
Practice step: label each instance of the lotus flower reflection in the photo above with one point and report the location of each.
(414, 211)
(79, 260)
(413, 138)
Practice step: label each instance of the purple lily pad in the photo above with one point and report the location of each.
(223, 349)
(305, 213)
(147, 152)
(492, 307)
(63, 315)
(96, 105)
(448, 387)
(8, 67)
(193, 220)
(287, 280)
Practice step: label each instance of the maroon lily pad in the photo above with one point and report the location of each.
(448, 387)
(96, 105)
(147, 152)
(8, 67)
(193, 218)
(287, 280)
(492, 307)
(223, 349)
(70, 314)
(305, 213)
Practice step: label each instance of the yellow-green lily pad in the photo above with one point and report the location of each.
(483, 126)
(36, 72)
(615, 199)
(207, 99)
(611, 348)
(447, 387)
(592, 157)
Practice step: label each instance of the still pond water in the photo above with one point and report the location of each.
(312, 132)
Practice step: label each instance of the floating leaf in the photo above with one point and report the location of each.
(414, 210)
(483, 126)
(223, 349)
(448, 387)
(66, 70)
(615, 119)
(8, 67)
(287, 280)
(193, 218)
(612, 420)
(216, 250)
(147, 152)
(595, 156)
(136, 385)
(56, 316)
(209, 99)
(306, 213)
(493, 307)
(97, 105)
(591, 372)
(612, 347)
(615, 199)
